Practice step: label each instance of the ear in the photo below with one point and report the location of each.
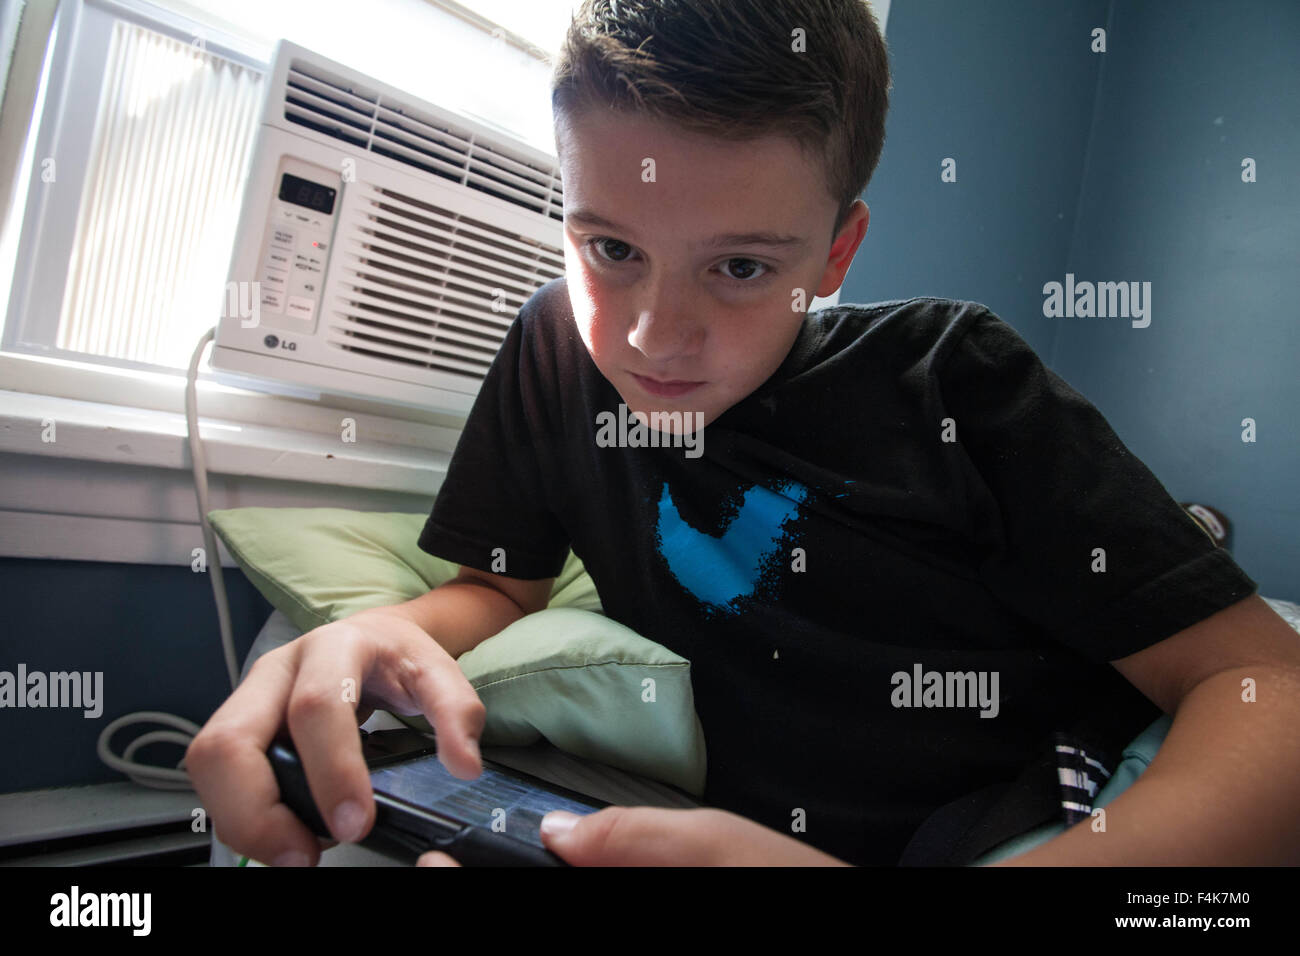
(844, 247)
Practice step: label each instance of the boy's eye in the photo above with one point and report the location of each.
(622, 249)
(748, 269)
(616, 251)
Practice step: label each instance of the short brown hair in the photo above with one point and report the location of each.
(728, 68)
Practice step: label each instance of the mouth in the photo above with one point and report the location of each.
(665, 389)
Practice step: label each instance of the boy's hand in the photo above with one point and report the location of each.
(653, 836)
(325, 684)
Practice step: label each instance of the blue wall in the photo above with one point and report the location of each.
(1119, 166)
(151, 630)
(1005, 88)
(1186, 91)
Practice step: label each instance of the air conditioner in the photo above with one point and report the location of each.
(384, 244)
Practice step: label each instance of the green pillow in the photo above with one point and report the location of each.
(567, 673)
(593, 688)
(318, 565)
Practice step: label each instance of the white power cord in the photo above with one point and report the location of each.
(199, 464)
(167, 778)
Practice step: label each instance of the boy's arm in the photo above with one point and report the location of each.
(462, 613)
(1224, 788)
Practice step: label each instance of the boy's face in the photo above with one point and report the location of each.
(657, 295)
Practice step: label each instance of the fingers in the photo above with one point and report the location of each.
(228, 766)
(394, 660)
(322, 720)
(314, 684)
(655, 836)
(636, 836)
(439, 689)
(436, 858)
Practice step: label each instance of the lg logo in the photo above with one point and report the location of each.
(271, 341)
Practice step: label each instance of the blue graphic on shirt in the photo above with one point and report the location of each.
(721, 570)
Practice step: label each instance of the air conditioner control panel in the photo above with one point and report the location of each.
(296, 247)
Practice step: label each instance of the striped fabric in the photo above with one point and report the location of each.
(1082, 769)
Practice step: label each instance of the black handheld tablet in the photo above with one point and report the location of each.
(492, 820)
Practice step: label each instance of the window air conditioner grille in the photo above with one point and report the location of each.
(405, 134)
(418, 283)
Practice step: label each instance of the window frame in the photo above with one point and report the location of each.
(78, 46)
(81, 34)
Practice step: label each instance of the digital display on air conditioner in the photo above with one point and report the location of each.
(304, 192)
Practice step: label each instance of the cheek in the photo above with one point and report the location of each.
(585, 300)
(598, 312)
(604, 342)
(596, 327)
(758, 342)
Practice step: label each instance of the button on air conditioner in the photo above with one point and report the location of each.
(301, 307)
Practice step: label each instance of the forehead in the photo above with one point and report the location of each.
(633, 169)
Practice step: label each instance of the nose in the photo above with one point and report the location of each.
(666, 327)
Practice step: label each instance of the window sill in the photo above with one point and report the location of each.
(37, 816)
(129, 417)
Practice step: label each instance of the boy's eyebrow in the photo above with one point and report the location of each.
(726, 239)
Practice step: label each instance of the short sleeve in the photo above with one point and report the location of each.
(1084, 540)
(494, 496)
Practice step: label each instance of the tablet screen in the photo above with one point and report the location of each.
(493, 796)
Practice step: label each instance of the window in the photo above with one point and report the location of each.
(158, 208)
(145, 125)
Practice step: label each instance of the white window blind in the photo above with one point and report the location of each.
(172, 136)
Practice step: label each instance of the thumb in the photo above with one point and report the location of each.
(615, 836)
(559, 834)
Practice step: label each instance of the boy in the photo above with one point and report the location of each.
(835, 507)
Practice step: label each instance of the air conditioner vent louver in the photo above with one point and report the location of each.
(406, 134)
(418, 284)
(385, 245)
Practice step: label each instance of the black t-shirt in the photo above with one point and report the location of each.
(949, 495)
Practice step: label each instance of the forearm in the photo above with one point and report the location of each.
(1223, 790)
(459, 614)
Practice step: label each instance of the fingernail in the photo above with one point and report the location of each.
(291, 858)
(474, 749)
(349, 818)
(558, 822)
